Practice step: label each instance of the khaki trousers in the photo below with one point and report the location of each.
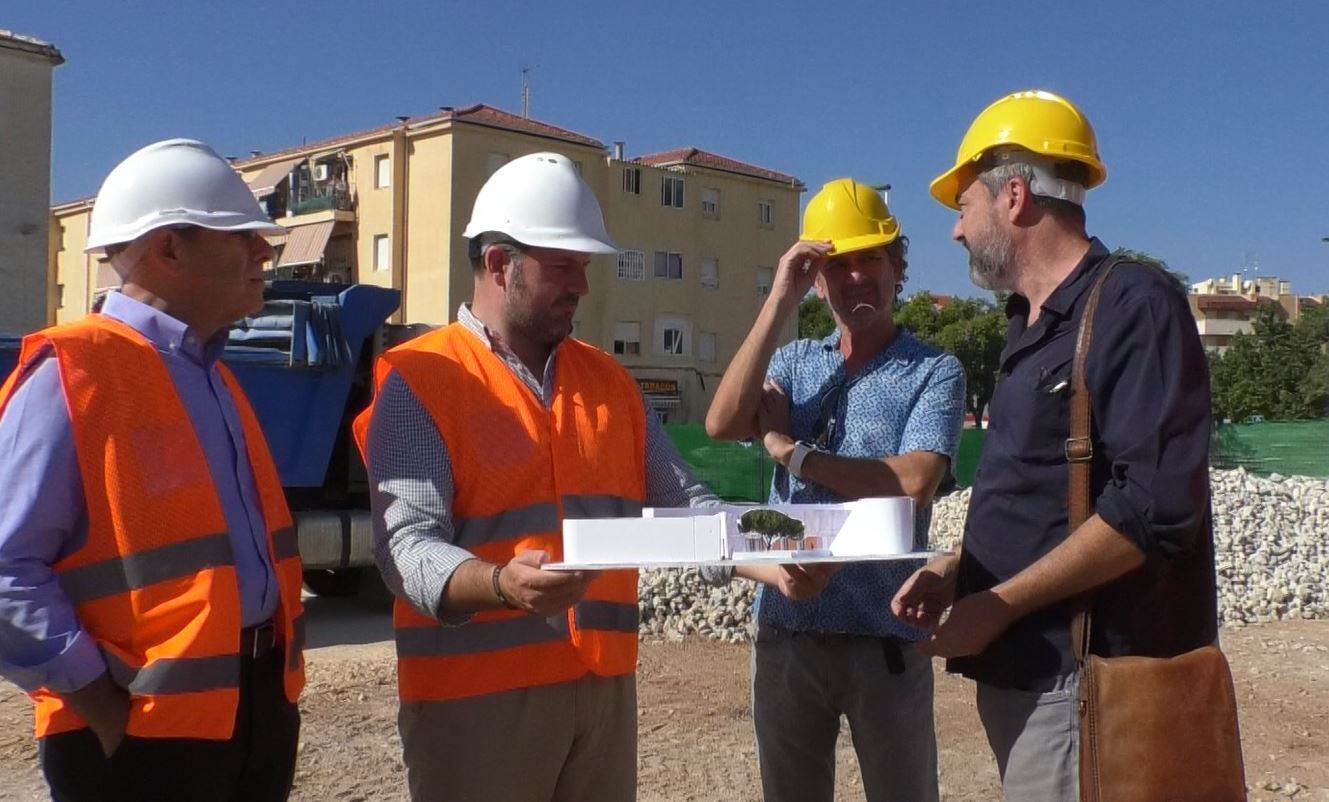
(570, 742)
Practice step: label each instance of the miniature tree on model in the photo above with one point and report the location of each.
(771, 524)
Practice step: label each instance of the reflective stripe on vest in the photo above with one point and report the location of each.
(154, 583)
(519, 469)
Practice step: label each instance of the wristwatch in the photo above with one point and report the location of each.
(800, 453)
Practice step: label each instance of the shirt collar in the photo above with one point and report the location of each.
(898, 347)
(166, 333)
(1063, 298)
(495, 343)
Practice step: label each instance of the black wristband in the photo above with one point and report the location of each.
(498, 589)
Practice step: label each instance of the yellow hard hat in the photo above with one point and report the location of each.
(851, 215)
(1041, 122)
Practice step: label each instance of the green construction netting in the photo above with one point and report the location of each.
(733, 471)
(738, 472)
(1293, 447)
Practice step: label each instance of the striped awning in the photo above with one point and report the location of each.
(265, 183)
(305, 244)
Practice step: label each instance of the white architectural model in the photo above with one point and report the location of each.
(867, 529)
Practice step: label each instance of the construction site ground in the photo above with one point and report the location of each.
(696, 739)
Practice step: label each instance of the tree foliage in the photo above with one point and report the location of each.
(770, 524)
(1278, 370)
(1148, 259)
(972, 329)
(814, 319)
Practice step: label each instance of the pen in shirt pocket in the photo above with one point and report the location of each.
(1050, 384)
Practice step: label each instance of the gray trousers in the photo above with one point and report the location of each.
(1036, 740)
(802, 683)
(569, 742)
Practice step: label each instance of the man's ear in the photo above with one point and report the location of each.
(1019, 201)
(164, 246)
(494, 260)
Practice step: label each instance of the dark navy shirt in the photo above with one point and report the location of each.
(1149, 384)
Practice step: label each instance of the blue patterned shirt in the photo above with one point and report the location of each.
(910, 397)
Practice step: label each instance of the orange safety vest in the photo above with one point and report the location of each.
(154, 583)
(519, 469)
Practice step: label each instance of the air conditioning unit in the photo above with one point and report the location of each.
(320, 172)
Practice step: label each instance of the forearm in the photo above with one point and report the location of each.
(1093, 555)
(915, 474)
(471, 589)
(419, 567)
(733, 412)
(767, 574)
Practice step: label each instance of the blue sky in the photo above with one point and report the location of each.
(1213, 118)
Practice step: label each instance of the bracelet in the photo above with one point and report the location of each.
(498, 589)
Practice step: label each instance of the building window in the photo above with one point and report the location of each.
(59, 296)
(765, 277)
(710, 274)
(382, 252)
(382, 171)
(763, 213)
(627, 338)
(632, 265)
(496, 160)
(710, 202)
(668, 265)
(673, 341)
(706, 346)
(61, 234)
(576, 165)
(671, 192)
(632, 180)
(672, 336)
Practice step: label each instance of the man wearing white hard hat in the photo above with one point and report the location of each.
(516, 683)
(149, 579)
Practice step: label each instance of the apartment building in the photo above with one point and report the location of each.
(26, 67)
(700, 235)
(1224, 307)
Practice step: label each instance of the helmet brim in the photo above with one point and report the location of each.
(98, 245)
(946, 187)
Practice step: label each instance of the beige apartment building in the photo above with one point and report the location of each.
(26, 67)
(700, 235)
(1224, 307)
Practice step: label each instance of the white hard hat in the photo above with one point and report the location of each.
(541, 200)
(169, 183)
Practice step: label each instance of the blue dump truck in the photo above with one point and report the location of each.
(306, 363)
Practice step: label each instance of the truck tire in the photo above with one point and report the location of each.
(335, 582)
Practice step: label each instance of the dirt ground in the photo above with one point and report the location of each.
(696, 731)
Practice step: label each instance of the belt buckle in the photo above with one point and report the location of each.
(1078, 449)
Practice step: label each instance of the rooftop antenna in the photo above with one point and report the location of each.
(526, 93)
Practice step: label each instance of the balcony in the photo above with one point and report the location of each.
(320, 199)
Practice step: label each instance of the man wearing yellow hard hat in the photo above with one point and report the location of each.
(1144, 558)
(866, 411)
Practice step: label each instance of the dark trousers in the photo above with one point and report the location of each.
(257, 764)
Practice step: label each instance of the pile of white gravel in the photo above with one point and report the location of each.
(1271, 539)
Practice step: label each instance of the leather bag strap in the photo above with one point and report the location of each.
(1080, 452)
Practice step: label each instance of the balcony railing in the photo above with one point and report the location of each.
(321, 199)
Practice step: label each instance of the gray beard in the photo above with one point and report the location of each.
(989, 265)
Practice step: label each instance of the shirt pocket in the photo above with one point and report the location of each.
(1041, 426)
